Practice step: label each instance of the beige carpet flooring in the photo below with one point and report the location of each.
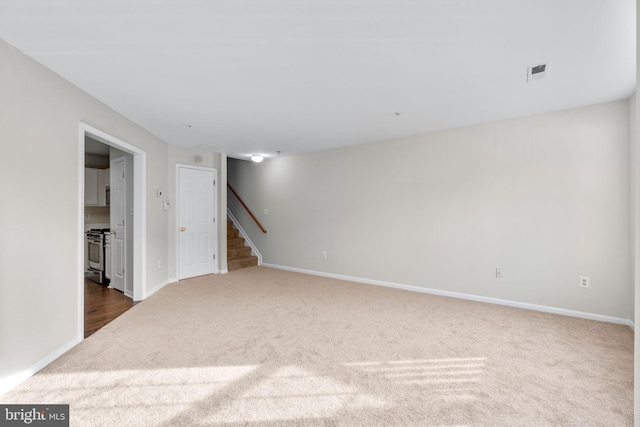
(263, 347)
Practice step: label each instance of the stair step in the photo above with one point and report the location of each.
(238, 252)
(238, 255)
(236, 264)
(236, 242)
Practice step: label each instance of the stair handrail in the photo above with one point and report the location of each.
(246, 208)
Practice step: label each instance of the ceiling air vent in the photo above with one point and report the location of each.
(537, 72)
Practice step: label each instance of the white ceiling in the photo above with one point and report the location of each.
(260, 76)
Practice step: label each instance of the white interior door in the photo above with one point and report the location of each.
(196, 222)
(118, 215)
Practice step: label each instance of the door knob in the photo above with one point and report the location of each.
(182, 228)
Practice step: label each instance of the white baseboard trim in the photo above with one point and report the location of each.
(225, 271)
(632, 325)
(12, 381)
(160, 286)
(527, 306)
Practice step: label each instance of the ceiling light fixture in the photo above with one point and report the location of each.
(257, 158)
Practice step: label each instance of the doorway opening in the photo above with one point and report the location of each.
(95, 146)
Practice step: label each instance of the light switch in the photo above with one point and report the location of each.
(165, 206)
(159, 193)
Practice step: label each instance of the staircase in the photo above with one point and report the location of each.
(238, 255)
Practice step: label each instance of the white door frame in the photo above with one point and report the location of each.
(139, 213)
(216, 268)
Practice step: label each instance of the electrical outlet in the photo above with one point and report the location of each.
(324, 255)
(86, 216)
(499, 273)
(159, 263)
(584, 282)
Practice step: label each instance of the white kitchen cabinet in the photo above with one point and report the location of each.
(96, 182)
(91, 187)
(103, 183)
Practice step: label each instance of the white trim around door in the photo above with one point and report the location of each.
(139, 213)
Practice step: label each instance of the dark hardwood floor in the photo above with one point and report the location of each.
(102, 305)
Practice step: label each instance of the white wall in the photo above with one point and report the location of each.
(634, 152)
(635, 162)
(546, 198)
(41, 262)
(97, 215)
